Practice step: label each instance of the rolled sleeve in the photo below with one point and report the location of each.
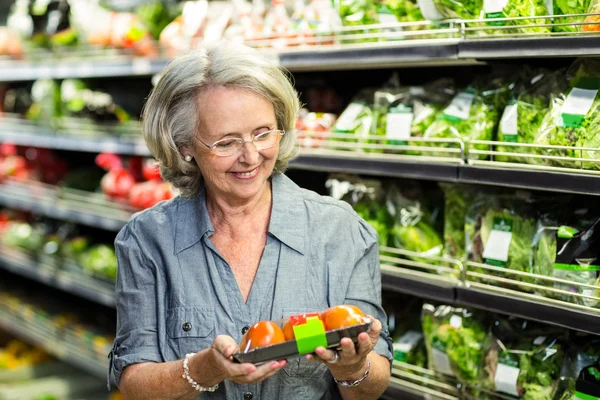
(137, 336)
(364, 289)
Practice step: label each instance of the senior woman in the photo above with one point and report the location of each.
(241, 244)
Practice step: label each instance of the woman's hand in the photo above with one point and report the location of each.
(350, 362)
(220, 358)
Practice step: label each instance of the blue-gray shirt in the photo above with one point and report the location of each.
(176, 293)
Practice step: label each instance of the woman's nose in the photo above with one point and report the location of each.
(249, 153)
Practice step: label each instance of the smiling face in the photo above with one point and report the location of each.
(234, 113)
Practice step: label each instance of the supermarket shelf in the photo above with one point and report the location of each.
(413, 52)
(11, 71)
(415, 284)
(569, 182)
(59, 348)
(47, 200)
(574, 46)
(347, 162)
(86, 287)
(528, 309)
(92, 143)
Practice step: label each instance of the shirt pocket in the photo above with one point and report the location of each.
(299, 366)
(190, 329)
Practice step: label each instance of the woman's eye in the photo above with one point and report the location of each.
(225, 144)
(263, 136)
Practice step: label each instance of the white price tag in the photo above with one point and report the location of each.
(456, 321)
(494, 6)
(508, 123)
(385, 18)
(506, 379)
(497, 246)
(347, 120)
(398, 125)
(441, 362)
(460, 107)
(141, 66)
(579, 101)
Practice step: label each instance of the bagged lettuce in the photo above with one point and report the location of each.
(455, 209)
(411, 112)
(462, 9)
(565, 7)
(524, 359)
(455, 340)
(367, 197)
(357, 122)
(518, 9)
(499, 231)
(581, 370)
(524, 113)
(573, 119)
(413, 226)
(473, 114)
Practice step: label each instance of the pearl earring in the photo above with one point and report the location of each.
(188, 158)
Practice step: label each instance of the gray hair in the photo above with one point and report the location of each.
(171, 114)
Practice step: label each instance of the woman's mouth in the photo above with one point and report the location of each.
(246, 174)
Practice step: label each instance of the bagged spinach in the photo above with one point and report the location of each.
(473, 114)
(455, 340)
(574, 117)
(524, 359)
(367, 197)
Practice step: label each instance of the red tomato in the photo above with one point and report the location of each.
(342, 317)
(150, 170)
(261, 334)
(288, 327)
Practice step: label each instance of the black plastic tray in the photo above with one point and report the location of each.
(289, 349)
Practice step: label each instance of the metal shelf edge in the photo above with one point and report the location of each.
(526, 309)
(417, 287)
(530, 179)
(529, 47)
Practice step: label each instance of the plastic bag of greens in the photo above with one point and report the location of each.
(565, 7)
(413, 225)
(367, 197)
(456, 199)
(404, 324)
(473, 113)
(355, 123)
(386, 116)
(462, 9)
(455, 340)
(523, 115)
(574, 117)
(499, 231)
(46, 107)
(410, 114)
(571, 253)
(524, 359)
(518, 9)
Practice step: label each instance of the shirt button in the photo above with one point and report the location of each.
(244, 330)
(186, 326)
(248, 396)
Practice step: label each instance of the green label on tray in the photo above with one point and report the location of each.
(310, 335)
(566, 232)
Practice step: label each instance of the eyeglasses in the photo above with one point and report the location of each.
(230, 146)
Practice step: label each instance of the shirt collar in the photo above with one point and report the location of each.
(287, 222)
(288, 213)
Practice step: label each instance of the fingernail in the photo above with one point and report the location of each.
(250, 370)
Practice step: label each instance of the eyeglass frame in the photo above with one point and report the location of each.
(242, 141)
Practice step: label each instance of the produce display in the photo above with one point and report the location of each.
(59, 246)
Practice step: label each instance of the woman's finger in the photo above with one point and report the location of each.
(364, 345)
(326, 355)
(348, 349)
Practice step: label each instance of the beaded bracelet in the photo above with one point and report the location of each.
(195, 385)
(348, 384)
